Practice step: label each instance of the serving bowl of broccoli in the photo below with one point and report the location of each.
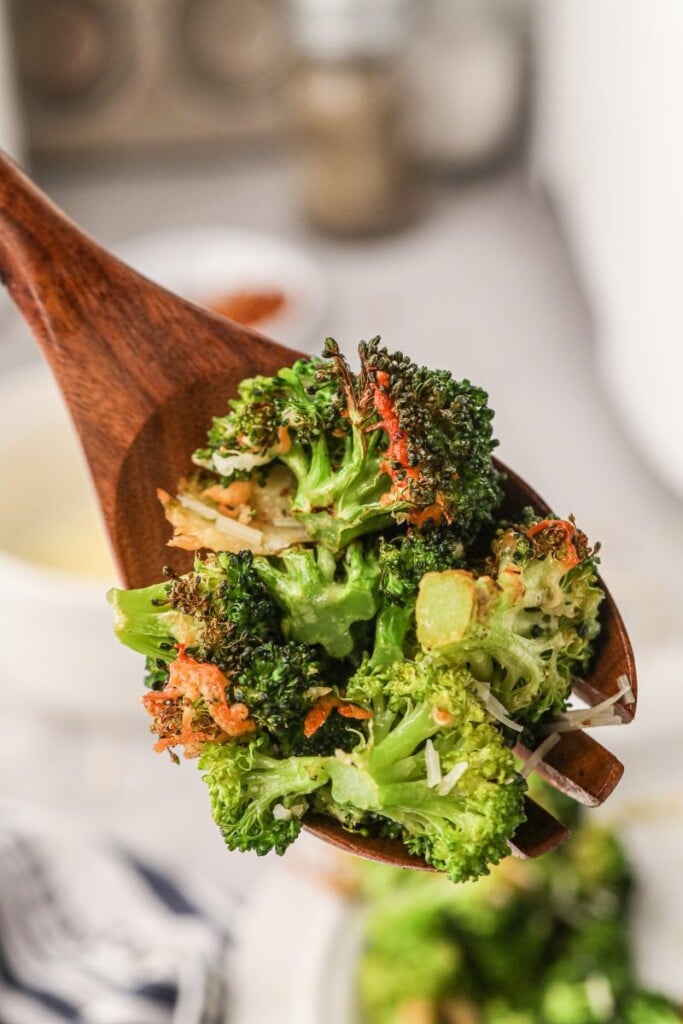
(580, 936)
(548, 941)
(375, 624)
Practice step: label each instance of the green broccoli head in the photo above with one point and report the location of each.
(215, 611)
(433, 765)
(223, 614)
(268, 417)
(258, 800)
(404, 559)
(440, 440)
(307, 417)
(393, 442)
(643, 1007)
(558, 569)
(403, 984)
(323, 597)
(278, 683)
(526, 630)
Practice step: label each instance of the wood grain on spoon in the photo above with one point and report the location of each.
(142, 372)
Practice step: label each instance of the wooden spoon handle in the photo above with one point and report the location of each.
(76, 298)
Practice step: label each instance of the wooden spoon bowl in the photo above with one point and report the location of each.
(142, 372)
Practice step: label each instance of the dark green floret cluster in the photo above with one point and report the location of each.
(537, 942)
(361, 636)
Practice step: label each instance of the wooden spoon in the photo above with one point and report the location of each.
(142, 372)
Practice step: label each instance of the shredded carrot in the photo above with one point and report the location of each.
(285, 440)
(405, 475)
(559, 525)
(174, 707)
(323, 708)
(353, 711)
(185, 739)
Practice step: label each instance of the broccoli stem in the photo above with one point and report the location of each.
(415, 727)
(146, 621)
(368, 783)
(320, 603)
(391, 628)
(336, 505)
(271, 779)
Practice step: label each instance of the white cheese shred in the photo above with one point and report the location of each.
(628, 694)
(599, 996)
(433, 765)
(495, 708)
(226, 465)
(451, 778)
(599, 715)
(539, 753)
(280, 813)
(232, 527)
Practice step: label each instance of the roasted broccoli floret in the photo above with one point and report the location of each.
(440, 440)
(526, 630)
(257, 799)
(314, 419)
(278, 682)
(222, 615)
(403, 561)
(213, 611)
(433, 765)
(322, 597)
(347, 639)
(394, 442)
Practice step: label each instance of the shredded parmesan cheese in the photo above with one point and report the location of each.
(599, 996)
(539, 753)
(495, 708)
(433, 765)
(628, 694)
(226, 465)
(281, 813)
(599, 715)
(250, 536)
(452, 777)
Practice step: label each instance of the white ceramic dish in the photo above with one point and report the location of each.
(58, 654)
(301, 940)
(206, 263)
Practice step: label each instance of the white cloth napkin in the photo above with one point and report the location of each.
(91, 933)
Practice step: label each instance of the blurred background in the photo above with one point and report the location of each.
(494, 186)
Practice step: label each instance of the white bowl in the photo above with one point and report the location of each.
(204, 264)
(58, 654)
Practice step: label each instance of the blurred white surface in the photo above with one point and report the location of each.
(610, 146)
(482, 285)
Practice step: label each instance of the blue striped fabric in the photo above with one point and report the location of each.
(91, 933)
